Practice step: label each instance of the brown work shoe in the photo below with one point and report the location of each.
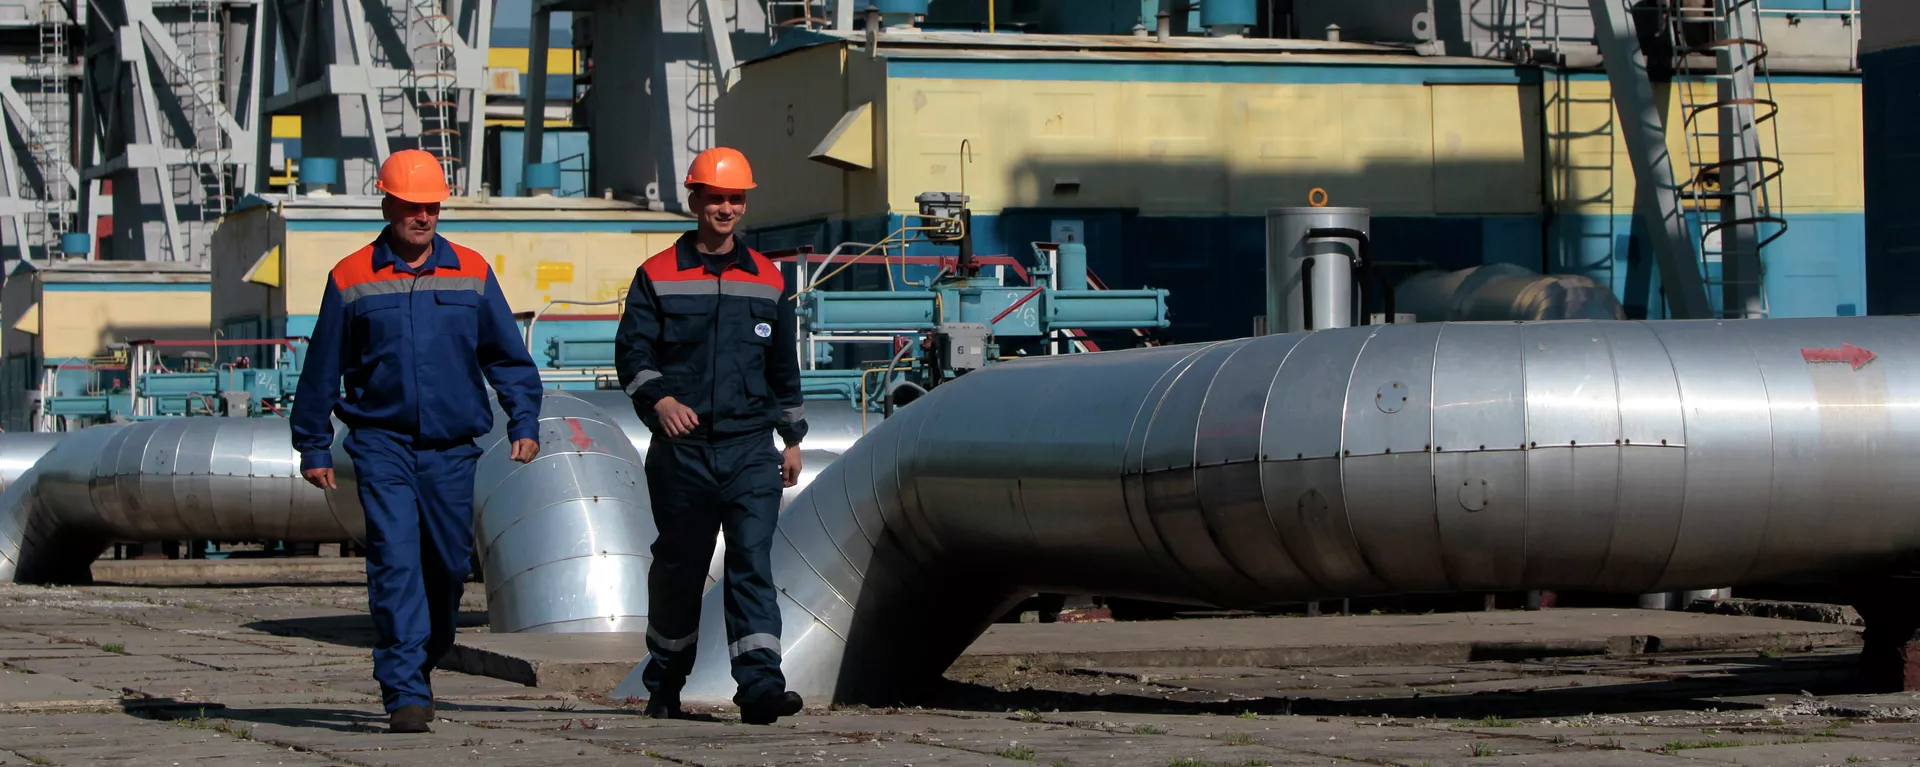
(409, 719)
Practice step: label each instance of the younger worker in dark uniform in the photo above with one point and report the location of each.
(706, 350)
(417, 327)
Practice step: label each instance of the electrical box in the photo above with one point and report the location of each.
(963, 345)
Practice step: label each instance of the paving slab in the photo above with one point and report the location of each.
(20, 691)
(569, 662)
(1403, 640)
(1835, 752)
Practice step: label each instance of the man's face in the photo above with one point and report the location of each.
(413, 222)
(719, 210)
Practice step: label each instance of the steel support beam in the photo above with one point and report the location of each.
(535, 97)
(1657, 199)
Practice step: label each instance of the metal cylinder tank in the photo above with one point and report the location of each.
(1073, 266)
(1228, 18)
(1620, 457)
(1310, 275)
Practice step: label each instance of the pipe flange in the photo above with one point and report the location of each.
(1391, 397)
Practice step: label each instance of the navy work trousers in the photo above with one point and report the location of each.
(419, 504)
(700, 489)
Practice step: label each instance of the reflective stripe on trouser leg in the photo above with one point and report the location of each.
(752, 487)
(686, 512)
(385, 480)
(446, 550)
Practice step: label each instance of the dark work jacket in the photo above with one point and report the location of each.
(717, 334)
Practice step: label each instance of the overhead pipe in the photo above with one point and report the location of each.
(1607, 456)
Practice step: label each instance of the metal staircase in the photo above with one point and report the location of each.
(433, 77)
(212, 158)
(51, 136)
(1732, 178)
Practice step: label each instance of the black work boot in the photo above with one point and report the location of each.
(766, 710)
(409, 719)
(665, 707)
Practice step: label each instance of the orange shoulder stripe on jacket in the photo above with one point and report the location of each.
(356, 269)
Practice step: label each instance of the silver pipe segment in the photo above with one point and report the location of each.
(1611, 456)
(1497, 292)
(563, 541)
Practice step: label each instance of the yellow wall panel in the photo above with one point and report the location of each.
(1167, 148)
(310, 257)
(533, 267)
(1486, 155)
(776, 117)
(1818, 134)
(1238, 149)
(82, 323)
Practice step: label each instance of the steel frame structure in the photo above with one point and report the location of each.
(170, 113)
(358, 76)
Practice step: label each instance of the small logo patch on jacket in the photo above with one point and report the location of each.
(763, 330)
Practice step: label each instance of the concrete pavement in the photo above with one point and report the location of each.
(281, 675)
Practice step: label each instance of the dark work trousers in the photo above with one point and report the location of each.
(699, 489)
(419, 504)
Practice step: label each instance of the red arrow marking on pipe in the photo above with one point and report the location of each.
(579, 438)
(1846, 353)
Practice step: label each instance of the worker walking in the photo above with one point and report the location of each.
(417, 327)
(706, 350)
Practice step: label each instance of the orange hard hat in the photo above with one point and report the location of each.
(721, 167)
(415, 176)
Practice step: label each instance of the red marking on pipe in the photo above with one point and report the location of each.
(1847, 353)
(1016, 305)
(579, 438)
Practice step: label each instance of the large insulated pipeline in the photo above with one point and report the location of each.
(1504, 292)
(563, 540)
(1625, 457)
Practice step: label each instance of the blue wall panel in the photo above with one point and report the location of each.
(1215, 268)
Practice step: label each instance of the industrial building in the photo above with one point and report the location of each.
(1163, 156)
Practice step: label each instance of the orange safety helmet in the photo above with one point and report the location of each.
(720, 167)
(415, 176)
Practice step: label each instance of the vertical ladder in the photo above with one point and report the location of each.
(433, 79)
(1739, 180)
(1542, 22)
(50, 139)
(204, 74)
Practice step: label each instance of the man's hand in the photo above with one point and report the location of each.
(790, 465)
(678, 419)
(525, 449)
(320, 478)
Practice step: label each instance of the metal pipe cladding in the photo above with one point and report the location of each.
(1614, 456)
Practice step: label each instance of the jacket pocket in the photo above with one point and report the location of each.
(457, 312)
(377, 324)
(686, 319)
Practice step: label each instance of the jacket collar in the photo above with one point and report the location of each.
(689, 257)
(442, 256)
